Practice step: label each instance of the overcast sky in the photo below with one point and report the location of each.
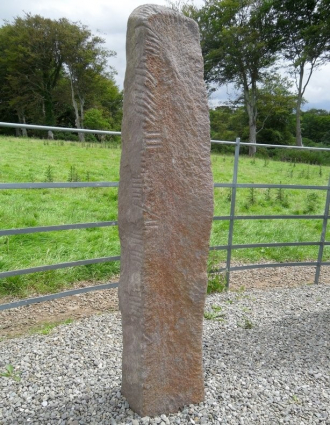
(109, 19)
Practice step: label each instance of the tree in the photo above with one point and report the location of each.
(109, 100)
(275, 111)
(85, 60)
(16, 101)
(227, 122)
(304, 28)
(315, 124)
(275, 104)
(239, 45)
(33, 57)
(48, 67)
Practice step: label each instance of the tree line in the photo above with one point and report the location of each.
(56, 72)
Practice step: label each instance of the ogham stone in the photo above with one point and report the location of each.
(165, 212)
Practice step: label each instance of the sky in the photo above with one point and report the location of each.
(108, 18)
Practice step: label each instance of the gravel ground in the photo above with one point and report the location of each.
(266, 360)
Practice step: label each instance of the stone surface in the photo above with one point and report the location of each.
(165, 212)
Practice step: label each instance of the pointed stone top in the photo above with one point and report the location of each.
(144, 12)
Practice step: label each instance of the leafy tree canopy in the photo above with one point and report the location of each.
(52, 70)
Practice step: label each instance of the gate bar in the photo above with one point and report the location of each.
(232, 211)
(323, 234)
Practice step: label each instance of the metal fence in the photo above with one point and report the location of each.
(231, 218)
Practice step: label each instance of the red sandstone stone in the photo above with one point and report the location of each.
(165, 212)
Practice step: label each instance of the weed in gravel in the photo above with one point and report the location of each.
(215, 314)
(209, 315)
(216, 281)
(247, 324)
(295, 399)
(246, 309)
(46, 328)
(216, 308)
(10, 373)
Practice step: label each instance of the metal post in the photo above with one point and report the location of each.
(232, 211)
(323, 234)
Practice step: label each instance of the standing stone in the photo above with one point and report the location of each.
(165, 212)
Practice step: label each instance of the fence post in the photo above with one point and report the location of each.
(232, 211)
(323, 234)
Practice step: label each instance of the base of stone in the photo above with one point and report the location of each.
(149, 404)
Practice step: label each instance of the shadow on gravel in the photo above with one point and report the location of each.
(294, 341)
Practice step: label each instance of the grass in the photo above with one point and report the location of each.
(267, 202)
(28, 160)
(46, 328)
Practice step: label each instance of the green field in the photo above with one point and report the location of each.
(27, 160)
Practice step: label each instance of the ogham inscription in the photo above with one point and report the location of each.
(165, 212)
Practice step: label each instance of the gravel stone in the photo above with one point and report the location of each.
(266, 361)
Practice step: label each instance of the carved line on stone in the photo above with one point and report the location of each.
(142, 71)
(148, 100)
(146, 111)
(153, 135)
(154, 146)
(152, 36)
(151, 223)
(136, 253)
(145, 117)
(136, 256)
(153, 141)
(147, 94)
(137, 182)
(137, 187)
(134, 305)
(147, 338)
(142, 107)
(152, 49)
(147, 210)
(136, 237)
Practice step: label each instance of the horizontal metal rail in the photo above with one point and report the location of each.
(117, 258)
(50, 297)
(64, 185)
(270, 186)
(266, 245)
(266, 145)
(59, 185)
(58, 266)
(43, 229)
(107, 132)
(64, 129)
(268, 217)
